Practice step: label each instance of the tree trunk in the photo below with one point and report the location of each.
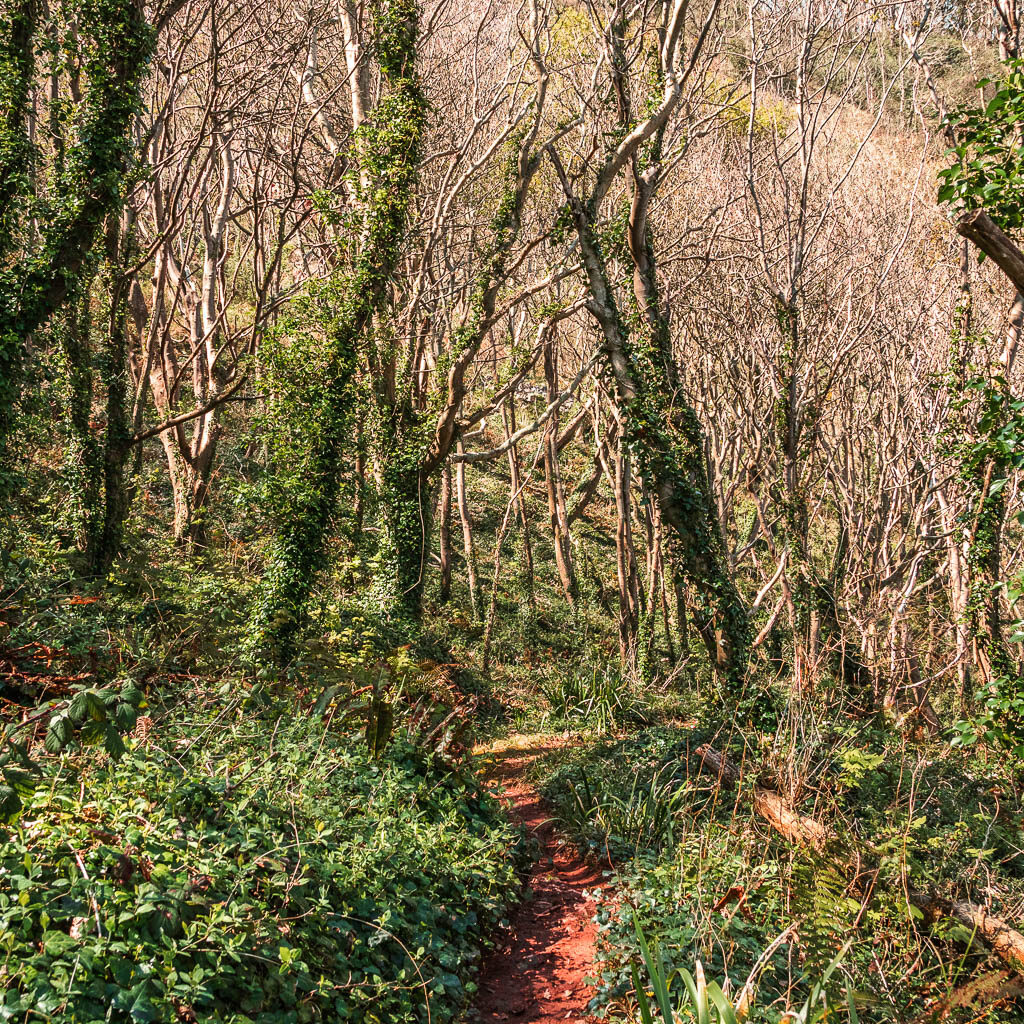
(556, 494)
(117, 443)
(984, 549)
(665, 433)
(87, 187)
(360, 483)
(468, 548)
(485, 661)
(519, 497)
(83, 459)
(625, 563)
(446, 534)
(301, 544)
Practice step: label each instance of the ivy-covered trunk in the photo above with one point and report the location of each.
(986, 578)
(664, 435)
(309, 465)
(410, 458)
(794, 526)
(661, 430)
(49, 264)
(407, 497)
(117, 442)
(97, 444)
(83, 458)
(560, 539)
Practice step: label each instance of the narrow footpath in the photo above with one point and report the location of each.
(538, 974)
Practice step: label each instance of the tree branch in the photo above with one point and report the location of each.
(978, 227)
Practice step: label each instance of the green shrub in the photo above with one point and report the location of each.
(250, 867)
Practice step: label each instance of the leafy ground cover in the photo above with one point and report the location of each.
(240, 864)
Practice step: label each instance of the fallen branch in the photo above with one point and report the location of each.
(769, 804)
(999, 935)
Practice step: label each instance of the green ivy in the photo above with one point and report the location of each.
(313, 437)
(985, 458)
(402, 435)
(51, 255)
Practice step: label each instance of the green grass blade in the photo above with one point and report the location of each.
(641, 997)
(726, 1013)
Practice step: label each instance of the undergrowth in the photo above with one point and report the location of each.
(710, 883)
(246, 864)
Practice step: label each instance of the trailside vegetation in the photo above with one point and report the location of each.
(403, 398)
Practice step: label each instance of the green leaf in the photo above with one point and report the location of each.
(854, 1018)
(58, 734)
(79, 706)
(131, 694)
(20, 781)
(113, 743)
(641, 997)
(56, 943)
(726, 1013)
(125, 716)
(10, 805)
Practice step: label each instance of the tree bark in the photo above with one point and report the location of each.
(984, 549)
(556, 493)
(446, 534)
(516, 487)
(668, 439)
(88, 184)
(468, 548)
(625, 562)
(979, 227)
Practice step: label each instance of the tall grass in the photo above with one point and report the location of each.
(643, 819)
(706, 1002)
(600, 698)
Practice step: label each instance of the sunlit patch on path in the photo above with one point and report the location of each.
(537, 974)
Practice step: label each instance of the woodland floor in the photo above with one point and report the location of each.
(538, 972)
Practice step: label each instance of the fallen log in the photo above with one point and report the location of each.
(1004, 940)
(770, 805)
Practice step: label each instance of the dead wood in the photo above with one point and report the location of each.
(1004, 940)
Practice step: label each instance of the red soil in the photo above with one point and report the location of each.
(537, 976)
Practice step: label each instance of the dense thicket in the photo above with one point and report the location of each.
(382, 374)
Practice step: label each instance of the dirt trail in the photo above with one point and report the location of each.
(537, 975)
